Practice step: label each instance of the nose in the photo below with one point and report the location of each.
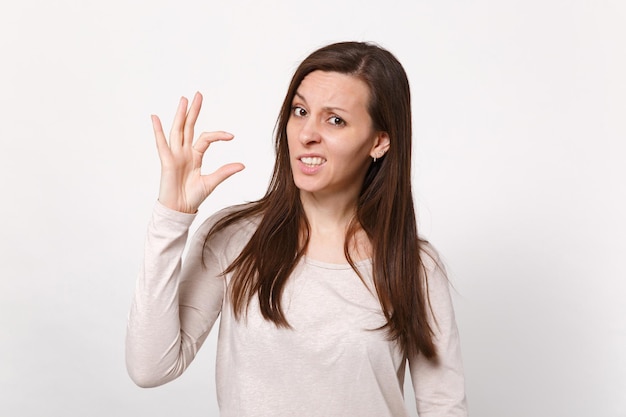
(309, 134)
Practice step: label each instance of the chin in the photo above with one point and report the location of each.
(307, 186)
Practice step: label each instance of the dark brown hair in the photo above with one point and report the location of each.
(384, 211)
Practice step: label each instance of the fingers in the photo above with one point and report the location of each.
(182, 130)
(190, 120)
(206, 138)
(161, 141)
(203, 142)
(176, 132)
(213, 180)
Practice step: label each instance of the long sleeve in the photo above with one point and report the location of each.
(175, 303)
(440, 386)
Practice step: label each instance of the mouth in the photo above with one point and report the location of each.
(312, 161)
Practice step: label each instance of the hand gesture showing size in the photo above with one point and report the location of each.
(183, 187)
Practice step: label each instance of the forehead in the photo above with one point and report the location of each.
(334, 89)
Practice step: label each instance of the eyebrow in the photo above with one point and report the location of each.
(328, 108)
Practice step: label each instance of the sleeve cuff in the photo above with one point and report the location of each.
(171, 216)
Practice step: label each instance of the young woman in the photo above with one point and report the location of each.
(324, 288)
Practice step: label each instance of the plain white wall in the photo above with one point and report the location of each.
(519, 110)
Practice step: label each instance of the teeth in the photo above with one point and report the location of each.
(312, 160)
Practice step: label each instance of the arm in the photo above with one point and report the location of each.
(440, 386)
(175, 306)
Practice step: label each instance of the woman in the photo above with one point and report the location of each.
(325, 290)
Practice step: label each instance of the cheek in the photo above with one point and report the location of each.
(291, 133)
(357, 145)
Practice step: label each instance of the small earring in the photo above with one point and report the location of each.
(374, 159)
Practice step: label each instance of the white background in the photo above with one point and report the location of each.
(519, 114)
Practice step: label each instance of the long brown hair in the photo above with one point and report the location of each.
(384, 211)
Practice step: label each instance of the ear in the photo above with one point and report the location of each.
(381, 145)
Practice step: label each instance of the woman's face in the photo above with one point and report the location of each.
(330, 134)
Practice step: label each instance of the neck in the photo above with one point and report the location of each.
(329, 219)
(328, 213)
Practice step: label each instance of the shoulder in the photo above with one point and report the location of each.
(431, 260)
(435, 274)
(229, 226)
(237, 212)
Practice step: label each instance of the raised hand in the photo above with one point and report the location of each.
(183, 187)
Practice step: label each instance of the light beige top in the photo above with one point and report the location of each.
(330, 363)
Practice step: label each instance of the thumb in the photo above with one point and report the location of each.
(211, 181)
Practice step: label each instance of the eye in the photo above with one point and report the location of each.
(337, 121)
(298, 111)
